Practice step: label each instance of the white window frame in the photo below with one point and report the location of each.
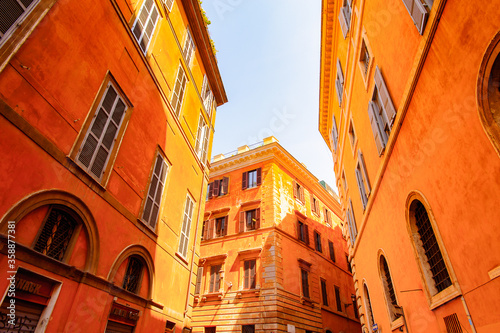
(179, 90)
(17, 23)
(169, 4)
(202, 137)
(187, 218)
(152, 221)
(144, 25)
(189, 47)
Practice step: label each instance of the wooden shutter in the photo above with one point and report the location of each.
(295, 193)
(216, 188)
(313, 206)
(377, 131)
(206, 134)
(211, 229)
(301, 194)
(199, 135)
(364, 172)
(306, 233)
(178, 93)
(332, 250)
(242, 221)
(343, 22)
(340, 74)
(298, 230)
(212, 279)
(199, 276)
(205, 229)
(246, 282)
(217, 278)
(156, 185)
(259, 176)
(352, 223)
(252, 274)
(418, 13)
(211, 190)
(335, 134)
(361, 188)
(224, 226)
(225, 185)
(385, 98)
(257, 218)
(244, 180)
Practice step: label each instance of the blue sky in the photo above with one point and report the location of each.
(268, 55)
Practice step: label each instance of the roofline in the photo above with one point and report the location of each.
(200, 34)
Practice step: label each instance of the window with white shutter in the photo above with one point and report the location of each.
(186, 226)
(362, 179)
(102, 134)
(335, 134)
(145, 24)
(339, 82)
(189, 47)
(419, 12)
(155, 191)
(12, 13)
(353, 231)
(202, 137)
(207, 96)
(345, 17)
(179, 89)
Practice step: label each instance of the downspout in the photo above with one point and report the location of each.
(468, 314)
(194, 245)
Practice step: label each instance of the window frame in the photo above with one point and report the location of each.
(186, 227)
(344, 19)
(141, 273)
(179, 91)
(418, 13)
(390, 294)
(362, 180)
(324, 292)
(364, 67)
(189, 46)
(434, 299)
(298, 192)
(353, 138)
(339, 83)
(103, 179)
(351, 222)
(247, 278)
(331, 248)
(202, 139)
(143, 32)
(317, 241)
(243, 223)
(338, 300)
(368, 306)
(218, 275)
(245, 182)
(302, 232)
(304, 282)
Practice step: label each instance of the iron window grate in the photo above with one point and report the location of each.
(452, 324)
(390, 287)
(431, 247)
(133, 275)
(56, 234)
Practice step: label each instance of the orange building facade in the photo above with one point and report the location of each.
(107, 112)
(409, 104)
(273, 258)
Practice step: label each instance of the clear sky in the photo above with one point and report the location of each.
(268, 55)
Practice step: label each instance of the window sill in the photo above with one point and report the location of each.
(397, 323)
(184, 260)
(242, 292)
(212, 296)
(307, 301)
(443, 297)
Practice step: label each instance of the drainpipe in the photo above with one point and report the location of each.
(194, 245)
(468, 315)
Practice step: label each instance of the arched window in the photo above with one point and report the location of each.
(489, 92)
(133, 274)
(57, 232)
(390, 294)
(368, 308)
(435, 267)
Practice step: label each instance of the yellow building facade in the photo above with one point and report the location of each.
(272, 256)
(107, 111)
(408, 100)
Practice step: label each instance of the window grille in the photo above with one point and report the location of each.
(369, 306)
(452, 324)
(56, 234)
(12, 12)
(145, 24)
(133, 275)
(431, 247)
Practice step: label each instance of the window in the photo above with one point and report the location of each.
(328, 217)
(250, 220)
(352, 134)
(298, 192)
(324, 294)
(199, 277)
(12, 13)
(368, 307)
(488, 92)
(186, 226)
(218, 187)
(303, 232)
(250, 274)
(305, 283)
(381, 112)
(353, 230)
(339, 82)
(390, 294)
(332, 250)
(418, 12)
(133, 275)
(145, 24)
(211, 329)
(169, 326)
(317, 241)
(103, 132)
(345, 17)
(248, 329)
(337, 299)
(189, 47)
(364, 59)
(169, 4)
(215, 228)
(178, 93)
(344, 181)
(432, 261)
(207, 96)
(155, 191)
(202, 137)
(314, 205)
(214, 279)
(57, 233)
(335, 134)
(362, 179)
(251, 178)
